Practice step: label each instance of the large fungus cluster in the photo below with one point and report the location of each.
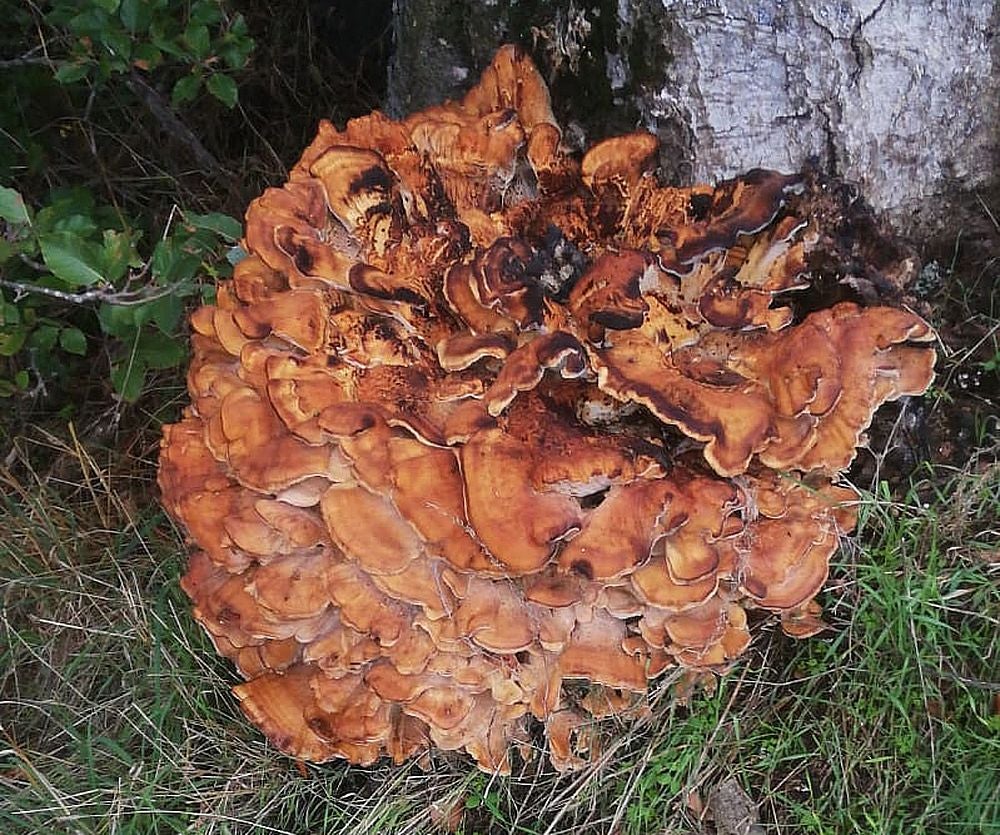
(483, 434)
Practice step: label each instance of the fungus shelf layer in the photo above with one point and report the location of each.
(475, 419)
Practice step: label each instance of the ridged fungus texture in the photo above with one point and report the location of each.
(484, 436)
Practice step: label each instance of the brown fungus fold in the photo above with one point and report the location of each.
(431, 471)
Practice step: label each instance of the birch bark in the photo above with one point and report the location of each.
(899, 97)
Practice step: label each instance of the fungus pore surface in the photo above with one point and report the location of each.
(484, 436)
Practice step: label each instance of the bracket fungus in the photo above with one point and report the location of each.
(483, 434)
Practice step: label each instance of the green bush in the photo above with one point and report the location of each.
(72, 253)
(84, 274)
(110, 37)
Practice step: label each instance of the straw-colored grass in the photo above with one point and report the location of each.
(116, 715)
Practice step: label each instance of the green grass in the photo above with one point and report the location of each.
(116, 716)
(890, 726)
(114, 708)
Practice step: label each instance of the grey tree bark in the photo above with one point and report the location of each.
(901, 97)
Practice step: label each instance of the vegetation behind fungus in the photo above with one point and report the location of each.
(475, 418)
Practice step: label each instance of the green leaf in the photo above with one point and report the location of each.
(165, 38)
(108, 5)
(107, 66)
(69, 73)
(136, 15)
(185, 89)
(119, 44)
(205, 12)
(64, 203)
(10, 314)
(235, 52)
(223, 225)
(128, 378)
(199, 41)
(60, 13)
(146, 56)
(235, 46)
(239, 26)
(166, 311)
(93, 23)
(12, 208)
(117, 320)
(82, 225)
(71, 258)
(157, 350)
(21, 379)
(201, 243)
(223, 88)
(117, 254)
(172, 264)
(44, 337)
(7, 388)
(141, 314)
(73, 341)
(11, 342)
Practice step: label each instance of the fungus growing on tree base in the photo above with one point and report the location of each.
(475, 420)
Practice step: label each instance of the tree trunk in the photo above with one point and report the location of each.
(897, 97)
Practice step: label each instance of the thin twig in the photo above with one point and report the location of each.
(101, 294)
(160, 108)
(25, 61)
(986, 209)
(250, 123)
